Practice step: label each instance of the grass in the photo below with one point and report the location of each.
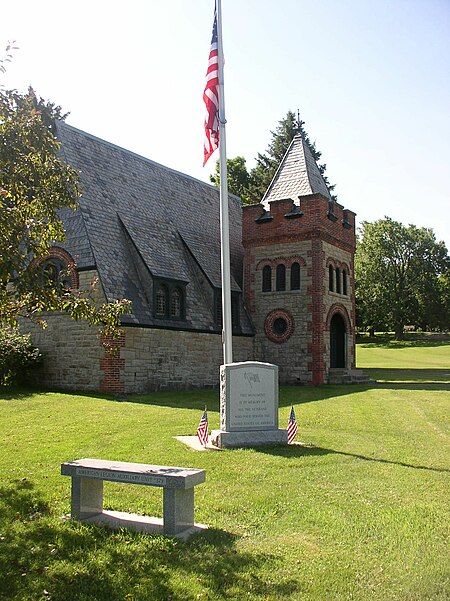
(360, 511)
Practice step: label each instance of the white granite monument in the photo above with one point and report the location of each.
(248, 406)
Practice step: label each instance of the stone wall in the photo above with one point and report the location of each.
(148, 360)
(71, 353)
(171, 360)
(289, 353)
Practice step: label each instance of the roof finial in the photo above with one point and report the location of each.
(299, 123)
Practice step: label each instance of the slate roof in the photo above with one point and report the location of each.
(297, 175)
(138, 220)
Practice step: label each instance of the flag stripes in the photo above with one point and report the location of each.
(292, 427)
(211, 96)
(202, 430)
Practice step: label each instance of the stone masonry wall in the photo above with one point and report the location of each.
(71, 353)
(71, 349)
(170, 360)
(290, 355)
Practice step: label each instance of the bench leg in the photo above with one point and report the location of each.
(87, 497)
(178, 512)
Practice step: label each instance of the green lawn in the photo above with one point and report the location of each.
(426, 353)
(359, 512)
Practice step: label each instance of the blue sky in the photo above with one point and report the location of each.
(371, 80)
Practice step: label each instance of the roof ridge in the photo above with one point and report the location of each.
(283, 160)
(307, 171)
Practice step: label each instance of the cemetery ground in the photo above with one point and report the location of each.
(359, 511)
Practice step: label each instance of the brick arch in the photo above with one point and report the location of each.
(344, 266)
(331, 262)
(286, 261)
(342, 311)
(300, 260)
(265, 263)
(56, 252)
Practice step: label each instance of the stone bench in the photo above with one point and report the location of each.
(178, 494)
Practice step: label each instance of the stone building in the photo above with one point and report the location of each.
(152, 235)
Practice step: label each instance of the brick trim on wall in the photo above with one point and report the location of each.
(113, 366)
(316, 347)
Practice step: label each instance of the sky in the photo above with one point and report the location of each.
(371, 79)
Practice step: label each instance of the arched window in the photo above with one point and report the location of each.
(281, 277)
(267, 279)
(338, 280)
(344, 282)
(330, 278)
(295, 276)
(175, 304)
(56, 273)
(161, 301)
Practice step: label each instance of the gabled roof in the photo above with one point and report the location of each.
(297, 175)
(133, 224)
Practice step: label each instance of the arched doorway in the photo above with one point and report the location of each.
(337, 341)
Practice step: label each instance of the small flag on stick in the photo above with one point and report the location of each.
(292, 427)
(211, 96)
(202, 430)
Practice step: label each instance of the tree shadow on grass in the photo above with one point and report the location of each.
(410, 379)
(45, 557)
(411, 341)
(300, 450)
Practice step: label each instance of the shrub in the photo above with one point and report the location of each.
(17, 356)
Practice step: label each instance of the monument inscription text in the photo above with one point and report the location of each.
(251, 393)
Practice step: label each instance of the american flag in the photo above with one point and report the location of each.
(202, 430)
(292, 427)
(211, 96)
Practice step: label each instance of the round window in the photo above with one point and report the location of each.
(279, 326)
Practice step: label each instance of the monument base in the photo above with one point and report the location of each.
(250, 438)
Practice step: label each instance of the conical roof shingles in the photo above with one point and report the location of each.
(297, 175)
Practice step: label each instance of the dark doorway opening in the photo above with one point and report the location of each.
(337, 341)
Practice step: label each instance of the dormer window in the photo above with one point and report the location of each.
(161, 301)
(175, 304)
(169, 300)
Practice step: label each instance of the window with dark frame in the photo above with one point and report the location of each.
(295, 276)
(161, 301)
(344, 282)
(267, 279)
(338, 280)
(169, 300)
(281, 278)
(331, 278)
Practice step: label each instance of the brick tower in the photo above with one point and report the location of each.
(299, 249)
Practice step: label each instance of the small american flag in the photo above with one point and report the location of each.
(292, 427)
(202, 430)
(211, 96)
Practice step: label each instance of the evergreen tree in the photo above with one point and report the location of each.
(251, 186)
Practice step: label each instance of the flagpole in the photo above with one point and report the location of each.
(227, 340)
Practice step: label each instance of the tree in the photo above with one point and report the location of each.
(34, 184)
(237, 176)
(399, 274)
(251, 186)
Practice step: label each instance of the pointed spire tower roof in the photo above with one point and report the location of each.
(297, 175)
